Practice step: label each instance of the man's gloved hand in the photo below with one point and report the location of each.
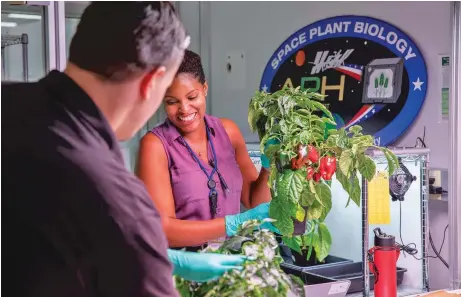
(260, 213)
(265, 163)
(203, 267)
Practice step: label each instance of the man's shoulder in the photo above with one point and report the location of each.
(100, 166)
(21, 98)
(21, 101)
(20, 87)
(97, 177)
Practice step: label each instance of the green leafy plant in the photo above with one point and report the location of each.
(261, 275)
(305, 150)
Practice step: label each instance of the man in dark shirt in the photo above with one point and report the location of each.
(76, 222)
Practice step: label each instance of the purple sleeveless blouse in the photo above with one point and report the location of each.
(189, 182)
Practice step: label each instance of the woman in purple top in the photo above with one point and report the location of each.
(196, 167)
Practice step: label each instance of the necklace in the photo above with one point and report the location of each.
(199, 151)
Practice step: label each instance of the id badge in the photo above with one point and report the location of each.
(214, 203)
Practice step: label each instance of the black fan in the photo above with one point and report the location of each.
(400, 181)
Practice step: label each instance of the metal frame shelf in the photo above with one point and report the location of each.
(10, 40)
(407, 155)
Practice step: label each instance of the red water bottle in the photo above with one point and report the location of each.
(382, 259)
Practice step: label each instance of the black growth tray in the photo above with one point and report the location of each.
(308, 279)
(348, 271)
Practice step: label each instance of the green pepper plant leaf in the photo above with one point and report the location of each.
(261, 275)
(307, 155)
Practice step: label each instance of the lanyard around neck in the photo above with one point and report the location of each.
(213, 194)
(197, 159)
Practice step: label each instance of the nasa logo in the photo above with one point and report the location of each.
(372, 73)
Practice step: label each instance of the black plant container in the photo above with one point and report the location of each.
(302, 261)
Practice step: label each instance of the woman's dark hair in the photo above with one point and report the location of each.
(192, 64)
(118, 40)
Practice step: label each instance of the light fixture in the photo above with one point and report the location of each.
(24, 16)
(9, 24)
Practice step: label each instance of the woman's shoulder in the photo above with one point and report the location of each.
(223, 124)
(229, 125)
(152, 140)
(165, 132)
(152, 146)
(232, 130)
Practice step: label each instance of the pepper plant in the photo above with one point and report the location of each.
(305, 150)
(261, 275)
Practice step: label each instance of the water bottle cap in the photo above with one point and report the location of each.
(382, 239)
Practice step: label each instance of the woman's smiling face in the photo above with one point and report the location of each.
(185, 102)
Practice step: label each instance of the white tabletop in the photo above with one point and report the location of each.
(404, 292)
(452, 292)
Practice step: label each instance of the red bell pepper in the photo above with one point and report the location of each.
(302, 152)
(301, 158)
(317, 177)
(327, 176)
(312, 154)
(327, 167)
(296, 163)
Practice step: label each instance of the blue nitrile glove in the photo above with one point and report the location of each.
(260, 213)
(203, 267)
(265, 163)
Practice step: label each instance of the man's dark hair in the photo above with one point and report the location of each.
(118, 40)
(192, 64)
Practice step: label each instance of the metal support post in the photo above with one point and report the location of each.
(454, 182)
